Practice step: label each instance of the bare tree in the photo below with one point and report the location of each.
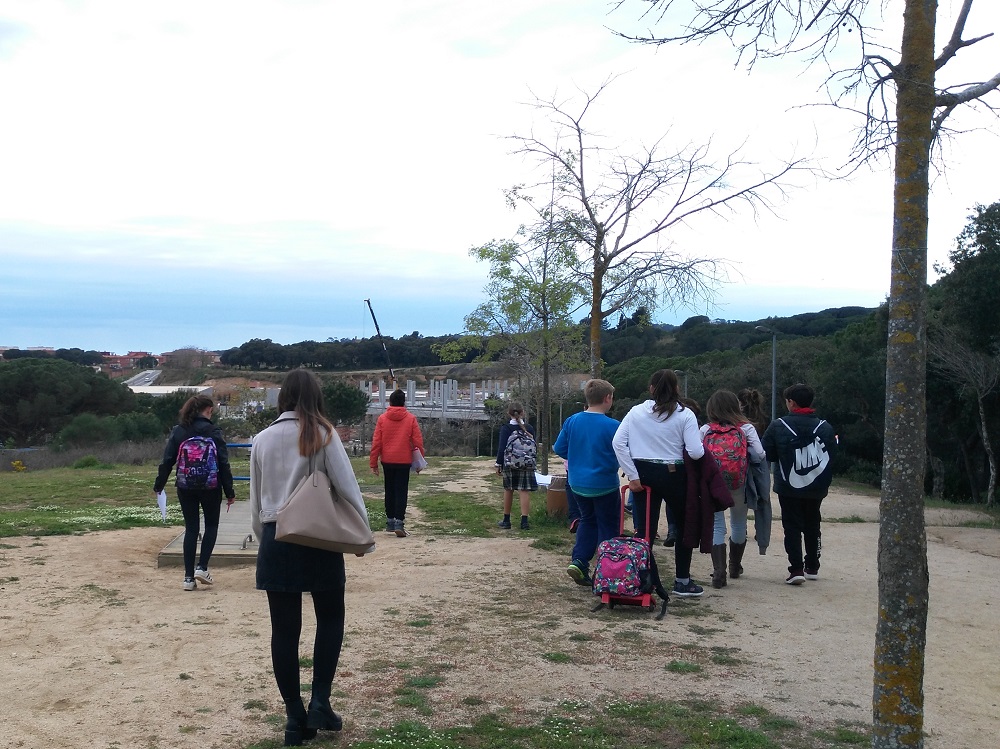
(968, 368)
(905, 108)
(617, 208)
(527, 316)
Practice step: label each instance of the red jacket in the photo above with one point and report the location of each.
(707, 494)
(396, 434)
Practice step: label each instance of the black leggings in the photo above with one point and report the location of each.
(669, 487)
(209, 502)
(286, 628)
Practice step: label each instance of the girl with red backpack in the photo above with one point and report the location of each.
(732, 441)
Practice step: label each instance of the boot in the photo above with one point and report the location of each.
(322, 717)
(296, 730)
(719, 565)
(736, 558)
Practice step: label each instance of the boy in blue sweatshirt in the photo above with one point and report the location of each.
(585, 443)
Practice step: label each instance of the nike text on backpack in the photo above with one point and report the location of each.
(728, 445)
(197, 464)
(811, 457)
(521, 451)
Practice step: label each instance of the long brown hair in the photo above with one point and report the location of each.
(723, 407)
(752, 403)
(192, 407)
(301, 393)
(663, 388)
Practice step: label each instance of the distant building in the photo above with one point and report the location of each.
(131, 360)
(159, 390)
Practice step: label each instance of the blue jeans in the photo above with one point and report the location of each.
(599, 521)
(737, 520)
(572, 508)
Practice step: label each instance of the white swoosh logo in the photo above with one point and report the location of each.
(798, 480)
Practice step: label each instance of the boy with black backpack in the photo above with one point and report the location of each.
(802, 447)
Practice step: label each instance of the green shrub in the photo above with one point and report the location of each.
(87, 429)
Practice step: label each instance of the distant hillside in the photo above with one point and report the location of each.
(629, 339)
(702, 335)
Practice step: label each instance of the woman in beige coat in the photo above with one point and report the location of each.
(279, 460)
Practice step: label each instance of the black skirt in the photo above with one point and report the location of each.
(291, 568)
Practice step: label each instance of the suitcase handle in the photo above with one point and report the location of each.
(649, 503)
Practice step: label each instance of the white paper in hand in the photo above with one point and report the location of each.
(161, 500)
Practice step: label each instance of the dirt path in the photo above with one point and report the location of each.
(101, 649)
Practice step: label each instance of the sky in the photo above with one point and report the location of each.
(179, 174)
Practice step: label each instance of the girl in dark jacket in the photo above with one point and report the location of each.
(195, 421)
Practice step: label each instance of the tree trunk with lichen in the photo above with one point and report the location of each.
(901, 630)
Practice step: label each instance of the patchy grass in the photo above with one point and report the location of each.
(557, 657)
(722, 656)
(616, 725)
(843, 736)
(100, 496)
(683, 667)
(989, 522)
(424, 681)
(475, 514)
(104, 596)
(94, 496)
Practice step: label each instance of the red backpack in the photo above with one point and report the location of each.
(728, 445)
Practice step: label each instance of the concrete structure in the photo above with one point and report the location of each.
(441, 399)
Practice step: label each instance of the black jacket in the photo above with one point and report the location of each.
(801, 446)
(199, 427)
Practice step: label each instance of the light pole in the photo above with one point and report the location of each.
(774, 367)
(683, 374)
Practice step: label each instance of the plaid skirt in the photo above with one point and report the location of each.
(518, 480)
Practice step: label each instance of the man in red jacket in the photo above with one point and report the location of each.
(397, 435)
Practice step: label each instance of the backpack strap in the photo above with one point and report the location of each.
(796, 434)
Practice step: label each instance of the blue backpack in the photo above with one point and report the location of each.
(197, 464)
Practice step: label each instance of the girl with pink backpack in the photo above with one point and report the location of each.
(731, 440)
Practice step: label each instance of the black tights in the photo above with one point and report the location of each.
(286, 628)
(209, 502)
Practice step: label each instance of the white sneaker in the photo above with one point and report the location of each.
(204, 576)
(190, 584)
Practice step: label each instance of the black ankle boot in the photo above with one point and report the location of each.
(296, 729)
(322, 717)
